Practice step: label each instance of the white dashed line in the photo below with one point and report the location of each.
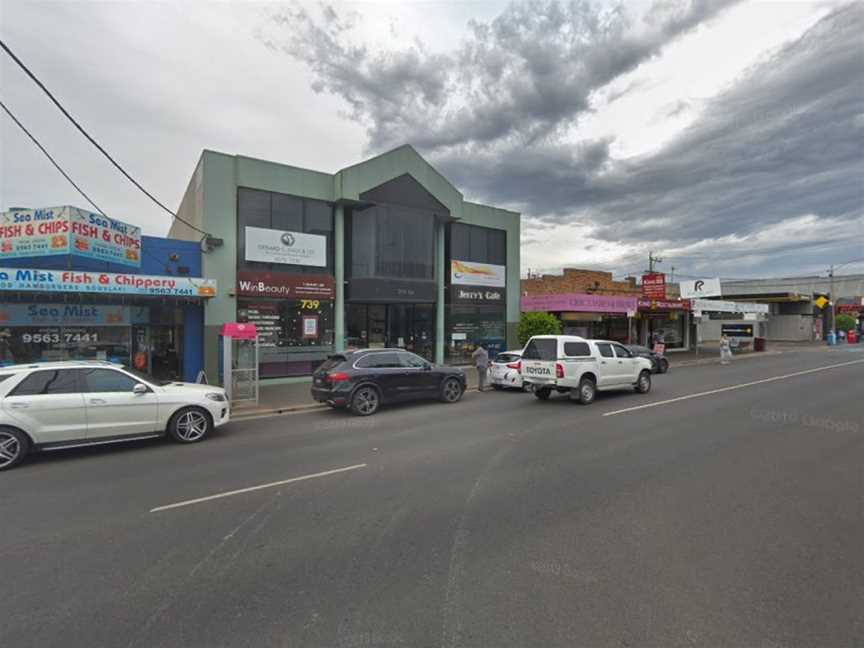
(255, 488)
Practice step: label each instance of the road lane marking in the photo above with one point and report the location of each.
(732, 388)
(256, 488)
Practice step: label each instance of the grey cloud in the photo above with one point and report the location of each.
(521, 77)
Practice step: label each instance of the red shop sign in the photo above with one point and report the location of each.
(284, 285)
(654, 285)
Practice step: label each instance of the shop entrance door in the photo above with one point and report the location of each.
(406, 326)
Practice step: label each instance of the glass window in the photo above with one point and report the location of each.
(43, 383)
(479, 245)
(412, 361)
(283, 348)
(376, 360)
(287, 213)
(108, 380)
(542, 349)
(621, 352)
(460, 242)
(318, 217)
(5, 376)
(575, 349)
(497, 247)
(606, 350)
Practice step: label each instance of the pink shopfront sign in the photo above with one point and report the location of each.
(579, 302)
(239, 331)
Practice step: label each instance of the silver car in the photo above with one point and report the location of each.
(49, 406)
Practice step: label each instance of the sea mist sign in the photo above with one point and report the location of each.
(68, 230)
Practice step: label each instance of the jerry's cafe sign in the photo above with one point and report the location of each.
(469, 273)
(76, 281)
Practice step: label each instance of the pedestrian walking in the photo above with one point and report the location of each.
(725, 350)
(481, 361)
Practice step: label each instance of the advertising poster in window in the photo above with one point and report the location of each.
(469, 273)
(310, 326)
(276, 246)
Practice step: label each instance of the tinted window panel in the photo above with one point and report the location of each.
(573, 349)
(497, 247)
(287, 213)
(541, 350)
(606, 350)
(108, 380)
(411, 360)
(621, 352)
(43, 383)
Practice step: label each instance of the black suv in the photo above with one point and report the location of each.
(659, 364)
(363, 380)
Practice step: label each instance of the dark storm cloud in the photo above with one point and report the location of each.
(522, 76)
(783, 142)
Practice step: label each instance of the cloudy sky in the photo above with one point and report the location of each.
(727, 137)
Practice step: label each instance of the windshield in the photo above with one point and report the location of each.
(146, 378)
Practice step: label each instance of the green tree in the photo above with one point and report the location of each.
(844, 322)
(537, 324)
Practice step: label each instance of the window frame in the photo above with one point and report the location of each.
(608, 346)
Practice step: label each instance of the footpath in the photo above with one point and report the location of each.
(295, 397)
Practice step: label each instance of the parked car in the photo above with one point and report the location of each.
(659, 364)
(504, 370)
(50, 406)
(365, 379)
(579, 367)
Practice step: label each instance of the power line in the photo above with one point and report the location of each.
(66, 175)
(93, 141)
(48, 155)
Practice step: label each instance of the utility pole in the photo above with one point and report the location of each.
(652, 260)
(831, 321)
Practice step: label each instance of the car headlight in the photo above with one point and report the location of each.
(216, 396)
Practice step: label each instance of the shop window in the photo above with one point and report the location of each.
(576, 349)
(107, 380)
(469, 326)
(43, 383)
(294, 336)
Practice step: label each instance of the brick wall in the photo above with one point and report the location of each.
(574, 280)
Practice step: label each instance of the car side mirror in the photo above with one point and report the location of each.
(427, 367)
(139, 389)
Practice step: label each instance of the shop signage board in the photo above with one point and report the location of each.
(77, 281)
(391, 290)
(663, 304)
(479, 295)
(654, 285)
(579, 302)
(718, 306)
(737, 330)
(68, 230)
(290, 248)
(699, 288)
(285, 285)
(72, 315)
(469, 273)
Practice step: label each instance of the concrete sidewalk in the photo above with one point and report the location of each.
(279, 399)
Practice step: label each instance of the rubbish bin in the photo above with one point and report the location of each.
(759, 344)
(831, 338)
(852, 337)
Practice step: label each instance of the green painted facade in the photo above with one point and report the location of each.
(210, 203)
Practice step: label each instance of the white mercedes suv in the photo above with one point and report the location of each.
(49, 406)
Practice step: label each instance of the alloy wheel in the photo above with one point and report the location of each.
(366, 401)
(10, 449)
(191, 426)
(452, 391)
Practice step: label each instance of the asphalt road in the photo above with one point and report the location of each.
(734, 518)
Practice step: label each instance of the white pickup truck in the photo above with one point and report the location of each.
(580, 367)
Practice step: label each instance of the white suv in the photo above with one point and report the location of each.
(580, 367)
(49, 406)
